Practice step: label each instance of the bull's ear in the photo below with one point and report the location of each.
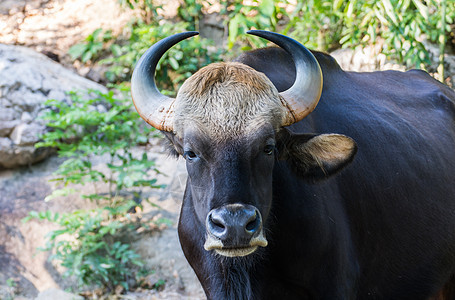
(174, 145)
(316, 157)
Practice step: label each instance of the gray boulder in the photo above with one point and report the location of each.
(54, 294)
(27, 80)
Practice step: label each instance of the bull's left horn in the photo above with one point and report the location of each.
(303, 96)
(154, 107)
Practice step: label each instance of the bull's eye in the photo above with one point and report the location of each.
(189, 155)
(269, 149)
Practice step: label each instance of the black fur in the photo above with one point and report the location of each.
(381, 228)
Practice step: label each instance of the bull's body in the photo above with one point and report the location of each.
(353, 201)
(382, 228)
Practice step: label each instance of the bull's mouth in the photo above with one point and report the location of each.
(236, 252)
(212, 243)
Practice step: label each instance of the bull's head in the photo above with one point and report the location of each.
(228, 122)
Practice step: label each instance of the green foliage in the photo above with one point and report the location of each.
(89, 245)
(399, 25)
(95, 125)
(240, 17)
(180, 62)
(141, 4)
(190, 11)
(11, 282)
(263, 15)
(146, 7)
(317, 24)
(11, 290)
(91, 48)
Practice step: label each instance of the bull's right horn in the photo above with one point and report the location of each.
(154, 107)
(303, 96)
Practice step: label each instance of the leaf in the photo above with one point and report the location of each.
(174, 63)
(390, 11)
(423, 9)
(267, 7)
(336, 5)
(234, 29)
(96, 33)
(106, 266)
(31, 215)
(77, 51)
(60, 193)
(350, 8)
(86, 56)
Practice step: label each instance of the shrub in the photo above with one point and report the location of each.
(92, 46)
(400, 25)
(89, 243)
(97, 125)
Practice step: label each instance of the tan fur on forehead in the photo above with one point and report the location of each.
(227, 99)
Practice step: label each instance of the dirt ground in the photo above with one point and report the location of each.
(52, 27)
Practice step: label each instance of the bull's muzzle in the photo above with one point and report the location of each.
(234, 230)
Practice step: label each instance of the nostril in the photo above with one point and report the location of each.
(253, 224)
(217, 223)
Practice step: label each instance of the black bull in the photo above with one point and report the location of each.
(381, 228)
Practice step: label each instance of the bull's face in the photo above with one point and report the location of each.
(230, 186)
(228, 142)
(227, 122)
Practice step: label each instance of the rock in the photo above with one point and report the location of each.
(366, 59)
(8, 120)
(26, 134)
(6, 127)
(26, 117)
(211, 27)
(53, 294)
(27, 80)
(8, 5)
(16, 155)
(8, 114)
(6, 149)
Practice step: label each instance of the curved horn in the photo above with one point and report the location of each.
(154, 107)
(303, 96)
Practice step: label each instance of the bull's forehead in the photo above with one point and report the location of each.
(227, 100)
